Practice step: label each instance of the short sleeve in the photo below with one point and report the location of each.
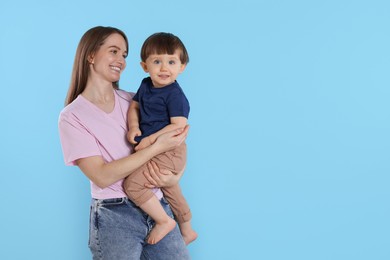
(178, 104)
(76, 141)
(136, 96)
(141, 89)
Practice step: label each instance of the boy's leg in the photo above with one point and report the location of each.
(145, 199)
(182, 212)
(163, 223)
(178, 203)
(171, 247)
(175, 160)
(134, 186)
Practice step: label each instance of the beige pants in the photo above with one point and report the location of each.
(174, 161)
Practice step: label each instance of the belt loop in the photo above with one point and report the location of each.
(95, 205)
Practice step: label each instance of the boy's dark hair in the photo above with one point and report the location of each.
(164, 43)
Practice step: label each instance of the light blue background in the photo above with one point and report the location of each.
(289, 143)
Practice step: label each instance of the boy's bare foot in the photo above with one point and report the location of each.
(187, 232)
(189, 236)
(160, 230)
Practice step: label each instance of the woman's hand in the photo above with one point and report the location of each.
(160, 178)
(171, 139)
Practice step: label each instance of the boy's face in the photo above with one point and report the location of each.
(163, 68)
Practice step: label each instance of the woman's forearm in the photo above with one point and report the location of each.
(104, 174)
(176, 122)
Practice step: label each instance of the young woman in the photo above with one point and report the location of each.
(93, 128)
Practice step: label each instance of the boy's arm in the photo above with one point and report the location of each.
(176, 122)
(133, 114)
(133, 122)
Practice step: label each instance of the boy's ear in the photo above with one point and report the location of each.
(144, 66)
(183, 67)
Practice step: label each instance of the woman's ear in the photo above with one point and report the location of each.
(144, 66)
(90, 59)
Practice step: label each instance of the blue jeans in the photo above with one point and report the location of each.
(118, 229)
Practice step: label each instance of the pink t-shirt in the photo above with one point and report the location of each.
(86, 130)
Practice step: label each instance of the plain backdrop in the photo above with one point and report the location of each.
(290, 119)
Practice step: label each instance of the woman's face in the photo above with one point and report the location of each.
(109, 61)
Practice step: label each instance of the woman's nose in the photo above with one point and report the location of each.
(122, 61)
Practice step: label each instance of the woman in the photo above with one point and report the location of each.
(93, 130)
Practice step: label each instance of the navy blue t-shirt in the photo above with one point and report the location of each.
(158, 105)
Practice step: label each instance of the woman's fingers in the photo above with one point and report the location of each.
(184, 133)
(152, 176)
(181, 134)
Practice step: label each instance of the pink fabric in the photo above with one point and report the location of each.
(85, 130)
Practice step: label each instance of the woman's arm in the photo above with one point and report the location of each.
(104, 174)
(176, 122)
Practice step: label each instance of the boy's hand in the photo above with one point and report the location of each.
(145, 142)
(133, 132)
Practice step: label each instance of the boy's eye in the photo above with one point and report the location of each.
(156, 62)
(171, 62)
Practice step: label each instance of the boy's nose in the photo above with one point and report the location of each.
(163, 66)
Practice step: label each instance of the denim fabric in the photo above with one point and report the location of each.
(118, 229)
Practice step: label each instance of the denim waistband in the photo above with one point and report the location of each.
(116, 200)
(113, 200)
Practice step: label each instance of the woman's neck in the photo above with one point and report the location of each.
(102, 96)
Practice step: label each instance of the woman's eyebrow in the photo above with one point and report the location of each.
(116, 47)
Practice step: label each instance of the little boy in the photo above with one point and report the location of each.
(160, 106)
